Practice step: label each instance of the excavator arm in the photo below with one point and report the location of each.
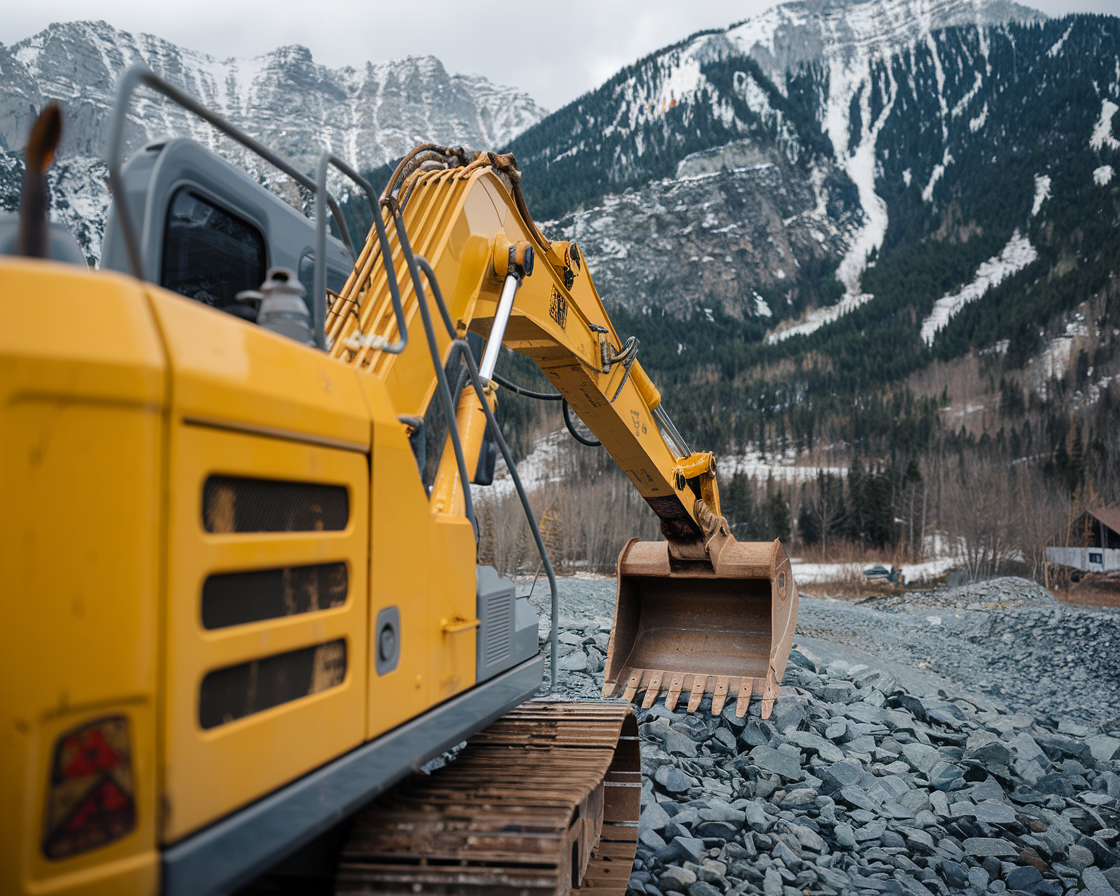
(699, 613)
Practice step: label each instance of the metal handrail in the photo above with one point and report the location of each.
(319, 308)
(141, 74)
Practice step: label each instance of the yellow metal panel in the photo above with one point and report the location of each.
(400, 529)
(233, 373)
(82, 382)
(211, 772)
(454, 599)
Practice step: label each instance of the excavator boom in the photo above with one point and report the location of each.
(698, 612)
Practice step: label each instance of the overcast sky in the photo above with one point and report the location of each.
(554, 51)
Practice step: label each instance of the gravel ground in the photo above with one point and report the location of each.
(964, 740)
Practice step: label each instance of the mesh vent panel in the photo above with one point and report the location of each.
(248, 688)
(499, 610)
(240, 597)
(236, 504)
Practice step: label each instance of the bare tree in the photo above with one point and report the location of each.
(1042, 518)
(979, 515)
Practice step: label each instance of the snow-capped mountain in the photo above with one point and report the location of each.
(954, 149)
(368, 115)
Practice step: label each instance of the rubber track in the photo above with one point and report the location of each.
(545, 800)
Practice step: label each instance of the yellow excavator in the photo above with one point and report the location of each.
(239, 616)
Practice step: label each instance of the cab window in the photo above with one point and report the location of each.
(210, 254)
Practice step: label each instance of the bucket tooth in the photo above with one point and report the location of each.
(744, 701)
(770, 695)
(632, 686)
(719, 696)
(699, 683)
(652, 689)
(674, 692)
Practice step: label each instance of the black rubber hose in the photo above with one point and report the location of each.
(583, 440)
(528, 393)
(496, 433)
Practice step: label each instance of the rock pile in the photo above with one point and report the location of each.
(874, 775)
(1000, 593)
(855, 785)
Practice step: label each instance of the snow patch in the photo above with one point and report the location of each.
(1015, 256)
(1057, 48)
(1102, 130)
(934, 177)
(1041, 190)
(814, 320)
(782, 467)
(1103, 176)
(978, 122)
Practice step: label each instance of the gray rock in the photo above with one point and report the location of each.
(978, 879)
(703, 888)
(921, 757)
(672, 779)
(788, 713)
(653, 817)
(683, 849)
(756, 815)
(836, 729)
(718, 810)
(1096, 883)
(1023, 878)
(954, 873)
(712, 871)
(840, 775)
(814, 743)
(921, 838)
(845, 836)
(988, 811)
(808, 838)
(783, 761)
(1103, 747)
(893, 840)
(650, 838)
(989, 846)
(987, 749)
(1026, 748)
(676, 879)
(753, 735)
(576, 661)
(1079, 857)
(799, 796)
(854, 796)
(944, 775)
(679, 744)
(772, 883)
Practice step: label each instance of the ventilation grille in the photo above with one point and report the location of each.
(239, 691)
(499, 621)
(240, 597)
(234, 504)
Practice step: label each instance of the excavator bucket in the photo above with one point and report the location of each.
(722, 627)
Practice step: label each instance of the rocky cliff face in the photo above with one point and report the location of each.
(751, 240)
(368, 115)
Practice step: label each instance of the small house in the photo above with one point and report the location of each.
(1092, 543)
